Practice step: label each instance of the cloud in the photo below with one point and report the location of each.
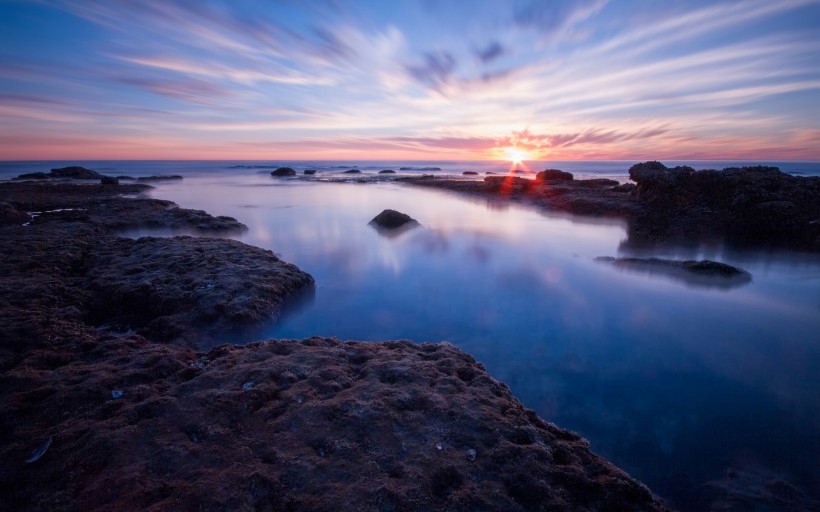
(556, 17)
(189, 90)
(490, 53)
(436, 70)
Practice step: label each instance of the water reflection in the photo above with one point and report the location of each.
(674, 383)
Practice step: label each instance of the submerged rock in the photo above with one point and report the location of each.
(387, 171)
(704, 273)
(470, 173)
(310, 171)
(352, 171)
(283, 171)
(392, 219)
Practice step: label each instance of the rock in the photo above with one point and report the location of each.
(624, 187)
(518, 171)
(352, 171)
(33, 176)
(108, 180)
(75, 172)
(391, 219)
(598, 183)
(126, 178)
(704, 273)
(283, 171)
(553, 174)
(310, 171)
(11, 215)
(470, 173)
(419, 168)
(160, 177)
(507, 184)
(387, 171)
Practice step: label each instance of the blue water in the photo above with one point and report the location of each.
(676, 383)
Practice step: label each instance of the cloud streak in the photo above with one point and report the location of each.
(570, 79)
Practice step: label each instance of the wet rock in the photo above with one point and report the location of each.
(283, 171)
(704, 273)
(310, 171)
(352, 171)
(470, 173)
(624, 187)
(553, 174)
(108, 180)
(387, 171)
(391, 219)
(33, 176)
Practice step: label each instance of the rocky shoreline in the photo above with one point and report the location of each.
(749, 206)
(115, 399)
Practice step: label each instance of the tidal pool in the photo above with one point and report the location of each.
(676, 382)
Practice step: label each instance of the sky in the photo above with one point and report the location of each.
(404, 79)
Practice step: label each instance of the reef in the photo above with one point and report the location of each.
(117, 396)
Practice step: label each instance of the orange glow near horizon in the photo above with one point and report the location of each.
(517, 155)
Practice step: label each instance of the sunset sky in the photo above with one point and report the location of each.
(586, 79)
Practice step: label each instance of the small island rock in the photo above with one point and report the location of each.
(553, 174)
(283, 171)
(392, 219)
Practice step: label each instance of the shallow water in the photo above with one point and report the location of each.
(673, 381)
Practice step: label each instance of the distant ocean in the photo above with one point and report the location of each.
(614, 169)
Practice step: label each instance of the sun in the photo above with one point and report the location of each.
(516, 155)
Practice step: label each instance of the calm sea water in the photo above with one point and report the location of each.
(676, 383)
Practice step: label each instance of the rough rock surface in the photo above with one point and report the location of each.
(758, 204)
(75, 172)
(553, 174)
(749, 206)
(391, 219)
(288, 425)
(93, 420)
(283, 171)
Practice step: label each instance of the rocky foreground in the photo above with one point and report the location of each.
(749, 206)
(112, 401)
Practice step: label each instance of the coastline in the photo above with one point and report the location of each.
(390, 425)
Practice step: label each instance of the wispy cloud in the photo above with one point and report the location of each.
(568, 78)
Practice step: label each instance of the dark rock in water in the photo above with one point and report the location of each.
(518, 171)
(160, 178)
(704, 273)
(489, 172)
(76, 172)
(759, 205)
(470, 173)
(392, 219)
(387, 171)
(553, 174)
(283, 171)
(352, 171)
(310, 171)
(108, 180)
(11, 215)
(419, 168)
(33, 176)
